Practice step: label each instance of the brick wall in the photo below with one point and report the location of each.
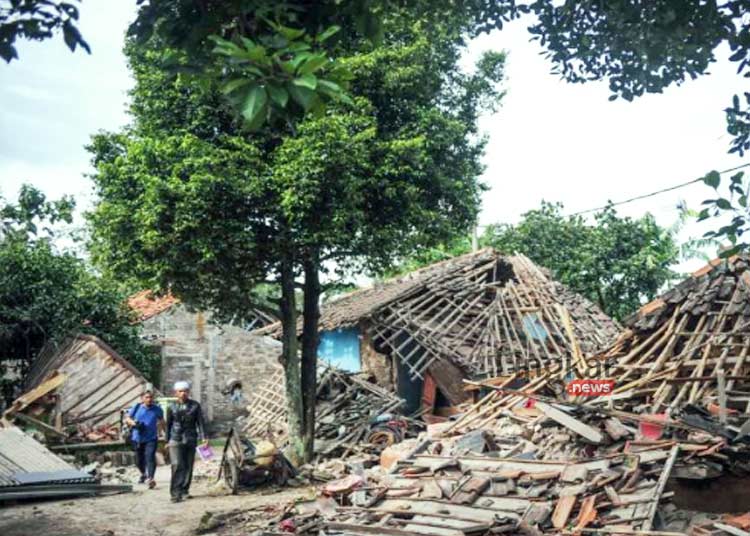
(212, 358)
(377, 364)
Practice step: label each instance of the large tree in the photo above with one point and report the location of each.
(47, 294)
(192, 200)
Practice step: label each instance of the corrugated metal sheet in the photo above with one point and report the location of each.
(24, 460)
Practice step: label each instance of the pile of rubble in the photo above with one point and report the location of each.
(109, 473)
(727, 524)
(355, 417)
(526, 463)
(691, 345)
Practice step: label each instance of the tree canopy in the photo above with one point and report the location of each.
(617, 262)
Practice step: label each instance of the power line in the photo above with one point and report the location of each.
(644, 196)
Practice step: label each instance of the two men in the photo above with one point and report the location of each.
(185, 430)
(145, 419)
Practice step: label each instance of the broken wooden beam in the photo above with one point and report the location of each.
(571, 423)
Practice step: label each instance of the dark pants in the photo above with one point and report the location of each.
(181, 457)
(145, 458)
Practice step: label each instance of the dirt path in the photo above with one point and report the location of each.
(141, 513)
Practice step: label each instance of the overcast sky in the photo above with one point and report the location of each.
(549, 140)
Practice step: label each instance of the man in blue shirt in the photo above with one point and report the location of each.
(145, 419)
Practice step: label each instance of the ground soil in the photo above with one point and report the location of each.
(140, 513)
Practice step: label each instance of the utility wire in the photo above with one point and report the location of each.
(644, 196)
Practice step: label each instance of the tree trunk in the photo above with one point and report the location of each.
(291, 362)
(310, 351)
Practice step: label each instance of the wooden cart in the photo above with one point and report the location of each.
(241, 469)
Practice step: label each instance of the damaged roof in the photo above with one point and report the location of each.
(486, 313)
(99, 381)
(676, 347)
(146, 304)
(349, 309)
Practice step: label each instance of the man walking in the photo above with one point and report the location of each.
(185, 429)
(145, 419)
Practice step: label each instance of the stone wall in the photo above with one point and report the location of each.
(223, 363)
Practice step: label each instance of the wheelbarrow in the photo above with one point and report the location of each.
(245, 464)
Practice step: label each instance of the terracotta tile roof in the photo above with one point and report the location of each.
(703, 290)
(146, 305)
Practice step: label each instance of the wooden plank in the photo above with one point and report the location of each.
(571, 423)
(421, 528)
(36, 393)
(428, 507)
(563, 510)
(660, 487)
(627, 530)
(531, 467)
(352, 528)
(731, 530)
(721, 380)
(41, 425)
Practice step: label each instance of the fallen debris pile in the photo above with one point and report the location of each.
(727, 524)
(482, 495)
(531, 457)
(528, 464)
(107, 472)
(522, 422)
(354, 416)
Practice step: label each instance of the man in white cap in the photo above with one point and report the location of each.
(185, 429)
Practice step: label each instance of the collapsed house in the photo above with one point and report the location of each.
(531, 457)
(347, 409)
(692, 344)
(224, 363)
(478, 315)
(77, 389)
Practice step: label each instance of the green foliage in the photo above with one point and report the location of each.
(46, 295)
(20, 221)
(190, 201)
(617, 262)
(37, 20)
(261, 79)
(181, 213)
(733, 210)
(642, 47)
(272, 60)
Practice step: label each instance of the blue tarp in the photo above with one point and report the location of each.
(533, 327)
(340, 348)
